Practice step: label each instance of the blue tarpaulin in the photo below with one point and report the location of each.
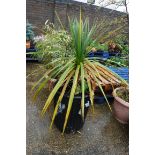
(122, 72)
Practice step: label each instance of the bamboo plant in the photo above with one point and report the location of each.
(77, 71)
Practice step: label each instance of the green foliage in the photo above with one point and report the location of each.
(29, 31)
(78, 71)
(55, 44)
(78, 89)
(121, 39)
(81, 34)
(117, 62)
(122, 42)
(99, 46)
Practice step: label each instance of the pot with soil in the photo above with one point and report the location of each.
(121, 104)
(75, 121)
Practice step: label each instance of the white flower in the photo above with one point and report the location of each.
(39, 38)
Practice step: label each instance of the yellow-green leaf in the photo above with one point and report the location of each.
(75, 80)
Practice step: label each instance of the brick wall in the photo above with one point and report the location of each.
(38, 11)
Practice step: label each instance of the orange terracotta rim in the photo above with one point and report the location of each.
(126, 104)
(27, 44)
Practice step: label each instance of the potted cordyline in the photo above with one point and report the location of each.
(79, 72)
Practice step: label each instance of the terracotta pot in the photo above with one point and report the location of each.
(27, 44)
(120, 107)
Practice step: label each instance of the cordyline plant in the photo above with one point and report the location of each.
(77, 71)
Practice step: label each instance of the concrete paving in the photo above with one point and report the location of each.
(100, 135)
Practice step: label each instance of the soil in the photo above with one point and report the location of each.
(123, 94)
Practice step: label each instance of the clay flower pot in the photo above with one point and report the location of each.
(120, 107)
(27, 44)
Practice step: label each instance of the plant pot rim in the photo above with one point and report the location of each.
(120, 100)
(76, 96)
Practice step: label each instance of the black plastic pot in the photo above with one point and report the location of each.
(101, 100)
(30, 57)
(75, 121)
(99, 54)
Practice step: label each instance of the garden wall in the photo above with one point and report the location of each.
(38, 11)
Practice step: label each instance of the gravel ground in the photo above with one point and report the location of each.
(100, 135)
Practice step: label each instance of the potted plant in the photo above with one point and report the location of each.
(53, 44)
(121, 104)
(29, 34)
(114, 48)
(79, 72)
